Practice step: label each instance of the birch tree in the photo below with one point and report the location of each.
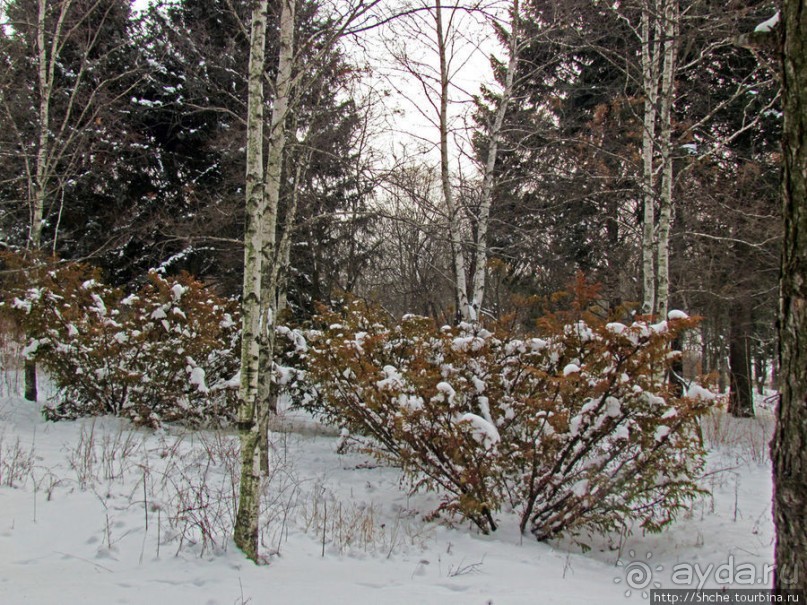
(73, 46)
(246, 531)
(658, 42)
(263, 258)
(454, 216)
(669, 69)
(488, 174)
(272, 257)
(440, 28)
(650, 49)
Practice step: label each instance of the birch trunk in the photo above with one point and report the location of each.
(246, 523)
(665, 143)
(45, 83)
(38, 185)
(465, 312)
(483, 221)
(271, 259)
(650, 83)
(790, 440)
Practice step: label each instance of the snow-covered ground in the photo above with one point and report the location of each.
(96, 511)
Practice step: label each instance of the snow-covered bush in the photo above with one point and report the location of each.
(573, 427)
(163, 354)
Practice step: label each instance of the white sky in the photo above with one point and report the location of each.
(412, 98)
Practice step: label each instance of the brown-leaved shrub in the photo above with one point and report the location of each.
(163, 354)
(574, 427)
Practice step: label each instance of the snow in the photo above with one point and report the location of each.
(227, 322)
(670, 413)
(411, 403)
(571, 368)
(621, 432)
(676, 314)
(197, 378)
(768, 25)
(616, 327)
(468, 343)
(233, 383)
(613, 407)
(661, 432)
(574, 425)
(23, 305)
(447, 390)
(177, 290)
(484, 431)
(659, 328)
(696, 391)
(99, 307)
(77, 525)
(580, 489)
(30, 348)
(392, 379)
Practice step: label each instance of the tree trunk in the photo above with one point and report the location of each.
(38, 185)
(650, 83)
(790, 442)
(667, 96)
(246, 533)
(271, 257)
(760, 370)
(741, 393)
(261, 260)
(31, 392)
(464, 310)
(483, 220)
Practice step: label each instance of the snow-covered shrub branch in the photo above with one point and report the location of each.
(574, 426)
(162, 354)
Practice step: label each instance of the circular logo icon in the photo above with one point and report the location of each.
(637, 574)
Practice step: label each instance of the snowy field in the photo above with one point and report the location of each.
(96, 511)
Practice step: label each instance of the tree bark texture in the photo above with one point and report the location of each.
(741, 394)
(650, 83)
(271, 257)
(483, 220)
(38, 183)
(464, 310)
(790, 442)
(667, 98)
(31, 391)
(246, 523)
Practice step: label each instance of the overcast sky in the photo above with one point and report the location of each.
(410, 122)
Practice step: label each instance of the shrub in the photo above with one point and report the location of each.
(573, 427)
(163, 354)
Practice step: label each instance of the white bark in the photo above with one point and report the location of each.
(650, 83)
(454, 212)
(57, 137)
(483, 220)
(271, 259)
(38, 188)
(53, 141)
(665, 143)
(263, 261)
(246, 525)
